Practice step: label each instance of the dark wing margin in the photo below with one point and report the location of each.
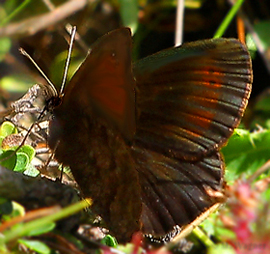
(190, 98)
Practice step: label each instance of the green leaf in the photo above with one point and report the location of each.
(37, 246)
(225, 233)
(209, 225)
(109, 241)
(251, 46)
(10, 160)
(18, 209)
(29, 151)
(31, 171)
(42, 229)
(7, 128)
(246, 152)
(22, 162)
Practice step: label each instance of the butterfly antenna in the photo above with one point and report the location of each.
(23, 52)
(73, 33)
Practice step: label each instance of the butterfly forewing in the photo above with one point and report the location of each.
(191, 98)
(110, 88)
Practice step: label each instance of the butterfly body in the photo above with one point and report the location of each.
(150, 160)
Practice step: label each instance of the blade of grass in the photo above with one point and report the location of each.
(15, 12)
(225, 23)
(17, 232)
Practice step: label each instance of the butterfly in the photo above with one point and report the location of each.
(143, 140)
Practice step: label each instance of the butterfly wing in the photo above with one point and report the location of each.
(189, 101)
(105, 81)
(176, 192)
(191, 98)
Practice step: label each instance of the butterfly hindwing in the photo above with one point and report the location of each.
(175, 192)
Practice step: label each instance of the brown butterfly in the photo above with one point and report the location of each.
(143, 140)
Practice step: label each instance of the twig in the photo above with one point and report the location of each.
(68, 28)
(35, 24)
